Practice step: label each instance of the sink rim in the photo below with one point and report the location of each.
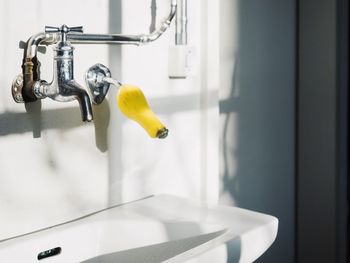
(228, 219)
(72, 220)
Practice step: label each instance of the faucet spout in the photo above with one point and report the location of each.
(64, 91)
(83, 98)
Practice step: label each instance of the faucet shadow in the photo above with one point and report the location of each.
(152, 26)
(101, 120)
(34, 113)
(36, 120)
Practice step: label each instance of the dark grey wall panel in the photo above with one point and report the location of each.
(317, 132)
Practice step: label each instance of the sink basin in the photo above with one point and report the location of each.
(155, 229)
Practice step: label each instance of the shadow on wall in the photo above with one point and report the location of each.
(35, 120)
(258, 116)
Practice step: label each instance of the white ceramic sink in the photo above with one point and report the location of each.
(155, 229)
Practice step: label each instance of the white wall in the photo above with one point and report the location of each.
(54, 168)
(50, 167)
(186, 162)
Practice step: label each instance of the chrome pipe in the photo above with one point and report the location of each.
(165, 25)
(104, 39)
(52, 38)
(34, 41)
(31, 66)
(125, 39)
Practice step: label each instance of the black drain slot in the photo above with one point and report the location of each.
(49, 253)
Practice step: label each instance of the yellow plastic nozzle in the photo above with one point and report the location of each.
(133, 104)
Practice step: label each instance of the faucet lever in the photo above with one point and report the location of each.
(22, 44)
(77, 29)
(52, 29)
(64, 30)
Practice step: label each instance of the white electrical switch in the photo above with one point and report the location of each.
(181, 61)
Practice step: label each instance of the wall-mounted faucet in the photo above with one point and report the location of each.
(63, 87)
(28, 87)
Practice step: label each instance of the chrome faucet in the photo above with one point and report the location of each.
(28, 87)
(63, 86)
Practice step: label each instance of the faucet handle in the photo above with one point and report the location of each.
(77, 29)
(64, 29)
(52, 29)
(23, 45)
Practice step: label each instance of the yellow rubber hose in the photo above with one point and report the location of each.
(133, 104)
